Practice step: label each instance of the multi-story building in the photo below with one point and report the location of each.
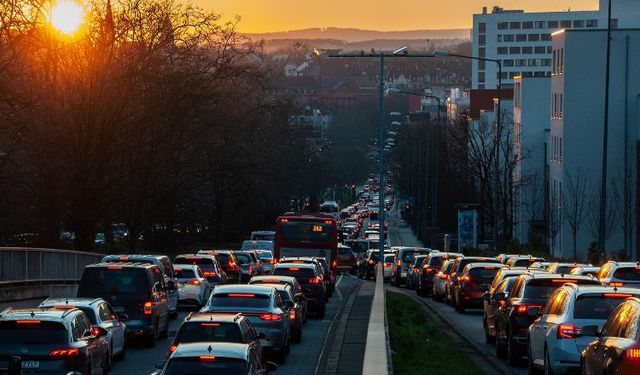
(522, 41)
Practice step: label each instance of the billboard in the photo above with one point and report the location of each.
(467, 228)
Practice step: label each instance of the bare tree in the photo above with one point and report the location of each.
(576, 202)
(532, 187)
(624, 197)
(593, 220)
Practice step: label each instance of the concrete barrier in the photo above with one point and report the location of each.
(376, 351)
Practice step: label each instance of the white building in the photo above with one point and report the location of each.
(577, 118)
(522, 41)
(531, 113)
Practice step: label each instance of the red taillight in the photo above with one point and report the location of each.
(270, 317)
(633, 354)
(210, 324)
(568, 331)
(292, 313)
(95, 331)
(562, 281)
(209, 274)
(315, 280)
(64, 353)
(207, 358)
(616, 284)
(241, 295)
(232, 266)
(524, 309)
(272, 261)
(172, 348)
(616, 295)
(193, 282)
(465, 278)
(147, 308)
(28, 321)
(399, 263)
(334, 263)
(250, 269)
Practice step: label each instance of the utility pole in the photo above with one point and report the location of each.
(605, 145)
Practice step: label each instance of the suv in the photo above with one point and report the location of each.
(404, 257)
(556, 338)
(209, 265)
(229, 263)
(312, 283)
(211, 327)
(414, 271)
(367, 264)
(52, 341)
(100, 314)
(456, 270)
(166, 267)
(134, 290)
(296, 288)
(527, 295)
(472, 283)
(620, 274)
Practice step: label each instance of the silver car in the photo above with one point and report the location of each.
(265, 309)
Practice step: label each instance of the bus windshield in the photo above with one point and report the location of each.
(305, 231)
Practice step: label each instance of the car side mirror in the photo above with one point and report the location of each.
(123, 317)
(160, 364)
(261, 335)
(98, 331)
(590, 331)
(484, 287)
(271, 366)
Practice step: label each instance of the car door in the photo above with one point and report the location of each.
(600, 350)
(118, 328)
(540, 327)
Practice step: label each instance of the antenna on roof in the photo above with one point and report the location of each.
(32, 314)
(209, 349)
(66, 301)
(615, 288)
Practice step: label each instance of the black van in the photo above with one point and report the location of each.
(136, 293)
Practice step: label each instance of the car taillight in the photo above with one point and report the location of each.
(616, 284)
(250, 269)
(524, 309)
(272, 261)
(568, 331)
(399, 263)
(64, 353)
(270, 317)
(292, 313)
(334, 263)
(371, 261)
(193, 282)
(633, 354)
(172, 348)
(315, 280)
(209, 274)
(232, 266)
(465, 278)
(147, 308)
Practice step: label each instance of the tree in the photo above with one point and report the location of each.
(624, 198)
(593, 219)
(576, 201)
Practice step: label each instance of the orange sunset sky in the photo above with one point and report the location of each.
(383, 15)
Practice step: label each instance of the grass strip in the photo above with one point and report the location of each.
(420, 345)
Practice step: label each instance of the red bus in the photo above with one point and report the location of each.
(307, 235)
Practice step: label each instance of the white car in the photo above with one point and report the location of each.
(556, 338)
(389, 263)
(193, 287)
(100, 314)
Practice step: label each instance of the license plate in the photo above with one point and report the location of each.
(118, 309)
(30, 364)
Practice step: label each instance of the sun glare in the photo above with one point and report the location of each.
(67, 16)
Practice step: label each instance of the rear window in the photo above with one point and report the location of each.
(285, 295)
(223, 258)
(484, 274)
(266, 255)
(243, 258)
(595, 306)
(408, 256)
(184, 274)
(242, 300)
(89, 313)
(436, 262)
(628, 273)
(389, 258)
(97, 282)
(463, 263)
(215, 366)
(524, 262)
(204, 263)
(12, 333)
(544, 288)
(565, 269)
(305, 231)
(344, 251)
(208, 332)
(446, 267)
(299, 273)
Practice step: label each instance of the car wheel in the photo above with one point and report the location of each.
(461, 306)
(287, 348)
(280, 357)
(512, 353)
(106, 363)
(173, 314)
(151, 340)
(89, 369)
(487, 337)
(547, 364)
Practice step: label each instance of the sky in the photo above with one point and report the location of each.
(382, 15)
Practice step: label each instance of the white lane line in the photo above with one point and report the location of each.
(326, 338)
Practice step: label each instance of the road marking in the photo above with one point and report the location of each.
(326, 338)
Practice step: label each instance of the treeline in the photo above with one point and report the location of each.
(155, 115)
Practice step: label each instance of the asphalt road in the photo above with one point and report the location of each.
(307, 357)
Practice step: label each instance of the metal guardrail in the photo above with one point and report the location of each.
(22, 264)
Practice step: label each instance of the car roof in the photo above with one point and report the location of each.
(275, 277)
(546, 275)
(135, 256)
(583, 289)
(185, 266)
(217, 349)
(625, 264)
(310, 266)
(46, 313)
(121, 265)
(243, 288)
(489, 264)
(212, 317)
(74, 301)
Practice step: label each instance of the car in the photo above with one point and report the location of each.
(213, 358)
(295, 307)
(556, 338)
(329, 276)
(404, 258)
(311, 280)
(414, 271)
(229, 263)
(439, 291)
(367, 264)
(257, 245)
(503, 258)
(285, 280)
(525, 298)
(323, 268)
(347, 260)
(211, 268)
(616, 348)
(428, 270)
(256, 260)
(248, 265)
(263, 306)
(212, 327)
(522, 261)
(136, 293)
(100, 314)
(458, 266)
(585, 271)
(620, 274)
(389, 263)
(540, 265)
(193, 287)
(358, 246)
(266, 257)
(166, 267)
(469, 288)
(52, 341)
(564, 268)
(268, 235)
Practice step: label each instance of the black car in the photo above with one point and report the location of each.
(211, 268)
(521, 307)
(51, 341)
(230, 264)
(616, 349)
(367, 264)
(456, 272)
(294, 303)
(428, 269)
(491, 305)
(312, 283)
(136, 293)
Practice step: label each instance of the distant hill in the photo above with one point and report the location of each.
(356, 35)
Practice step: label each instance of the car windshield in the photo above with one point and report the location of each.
(223, 258)
(99, 281)
(627, 273)
(208, 332)
(285, 295)
(203, 366)
(14, 333)
(305, 231)
(266, 255)
(388, 258)
(344, 251)
(234, 300)
(184, 273)
(595, 306)
(544, 288)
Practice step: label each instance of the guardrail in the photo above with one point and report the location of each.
(377, 348)
(22, 264)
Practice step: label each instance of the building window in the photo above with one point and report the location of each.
(534, 37)
(521, 62)
(482, 27)
(545, 62)
(482, 64)
(514, 50)
(541, 24)
(527, 74)
(561, 61)
(592, 23)
(549, 49)
(514, 25)
(481, 52)
(561, 111)
(545, 37)
(614, 23)
(481, 87)
(481, 77)
(504, 75)
(527, 25)
(540, 74)
(503, 25)
(527, 50)
(507, 63)
(553, 24)
(508, 37)
(513, 75)
(533, 62)
(517, 94)
(540, 49)
(578, 24)
(482, 40)
(521, 37)
(503, 50)
(499, 38)
(555, 62)
(565, 23)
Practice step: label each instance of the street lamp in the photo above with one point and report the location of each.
(497, 136)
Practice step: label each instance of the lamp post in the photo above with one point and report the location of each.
(434, 165)
(497, 136)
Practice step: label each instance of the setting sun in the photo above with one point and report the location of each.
(67, 16)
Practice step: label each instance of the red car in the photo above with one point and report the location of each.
(468, 291)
